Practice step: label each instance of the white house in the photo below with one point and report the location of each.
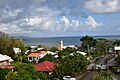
(83, 53)
(36, 56)
(71, 46)
(117, 49)
(5, 60)
(16, 50)
(53, 54)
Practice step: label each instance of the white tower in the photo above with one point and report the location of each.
(60, 45)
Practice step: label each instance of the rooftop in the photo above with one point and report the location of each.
(46, 66)
(35, 54)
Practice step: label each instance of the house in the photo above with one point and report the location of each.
(54, 54)
(34, 57)
(71, 46)
(46, 67)
(117, 49)
(83, 53)
(16, 50)
(5, 61)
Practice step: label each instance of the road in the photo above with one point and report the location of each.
(89, 75)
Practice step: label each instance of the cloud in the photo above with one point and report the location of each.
(78, 25)
(103, 6)
(53, 16)
(92, 23)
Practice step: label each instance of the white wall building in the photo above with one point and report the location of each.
(5, 60)
(16, 50)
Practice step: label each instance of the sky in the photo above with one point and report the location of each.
(51, 18)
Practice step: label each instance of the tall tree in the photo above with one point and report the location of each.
(103, 46)
(71, 65)
(88, 42)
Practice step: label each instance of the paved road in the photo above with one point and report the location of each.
(105, 59)
(117, 76)
(89, 75)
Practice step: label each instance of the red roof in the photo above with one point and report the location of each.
(8, 66)
(46, 66)
(36, 54)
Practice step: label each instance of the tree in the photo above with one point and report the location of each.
(23, 71)
(71, 65)
(88, 42)
(3, 73)
(19, 43)
(107, 75)
(48, 57)
(117, 59)
(104, 75)
(98, 78)
(5, 45)
(103, 46)
(116, 43)
(21, 58)
(45, 47)
(53, 49)
(44, 76)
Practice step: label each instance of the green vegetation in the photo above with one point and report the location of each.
(88, 42)
(3, 73)
(117, 59)
(104, 75)
(69, 61)
(23, 71)
(44, 76)
(70, 64)
(99, 46)
(48, 57)
(7, 43)
(53, 49)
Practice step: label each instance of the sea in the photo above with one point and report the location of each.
(53, 41)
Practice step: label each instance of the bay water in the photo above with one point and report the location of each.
(53, 41)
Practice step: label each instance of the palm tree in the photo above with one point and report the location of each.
(98, 78)
(107, 75)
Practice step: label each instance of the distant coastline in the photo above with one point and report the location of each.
(53, 41)
(66, 36)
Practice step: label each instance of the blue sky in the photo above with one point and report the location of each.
(49, 18)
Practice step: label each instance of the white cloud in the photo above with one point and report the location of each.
(35, 17)
(103, 6)
(8, 12)
(65, 22)
(35, 21)
(91, 22)
(77, 25)
(9, 28)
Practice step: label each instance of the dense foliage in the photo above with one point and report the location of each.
(99, 46)
(117, 59)
(48, 57)
(23, 71)
(3, 73)
(7, 43)
(104, 75)
(71, 64)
